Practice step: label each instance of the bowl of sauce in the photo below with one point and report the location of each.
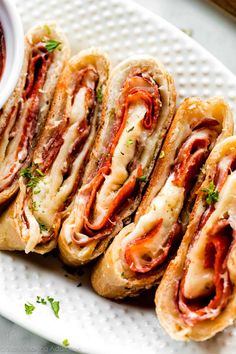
(11, 49)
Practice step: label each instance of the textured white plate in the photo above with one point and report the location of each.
(94, 325)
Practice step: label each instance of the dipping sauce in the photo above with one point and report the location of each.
(2, 50)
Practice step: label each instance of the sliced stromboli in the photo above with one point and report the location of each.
(22, 117)
(197, 295)
(55, 174)
(138, 107)
(140, 253)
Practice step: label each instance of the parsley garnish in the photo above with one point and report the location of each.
(33, 178)
(162, 154)
(34, 206)
(65, 343)
(29, 308)
(130, 142)
(99, 94)
(51, 45)
(41, 300)
(130, 130)
(43, 227)
(55, 305)
(41, 174)
(212, 195)
(142, 178)
(26, 172)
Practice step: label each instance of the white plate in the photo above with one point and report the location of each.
(94, 325)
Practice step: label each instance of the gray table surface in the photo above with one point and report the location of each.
(215, 30)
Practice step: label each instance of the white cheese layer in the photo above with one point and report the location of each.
(167, 205)
(124, 154)
(199, 279)
(53, 190)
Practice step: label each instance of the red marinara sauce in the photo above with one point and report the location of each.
(2, 50)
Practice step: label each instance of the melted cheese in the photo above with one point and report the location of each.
(199, 279)
(53, 189)
(167, 205)
(124, 154)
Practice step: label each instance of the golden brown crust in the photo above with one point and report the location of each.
(165, 299)
(70, 253)
(34, 36)
(106, 277)
(13, 216)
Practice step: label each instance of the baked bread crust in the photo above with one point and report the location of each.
(73, 254)
(109, 277)
(165, 299)
(11, 235)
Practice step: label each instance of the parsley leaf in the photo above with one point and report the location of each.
(55, 305)
(130, 129)
(26, 172)
(162, 154)
(33, 178)
(51, 45)
(43, 227)
(130, 142)
(212, 195)
(65, 343)
(41, 300)
(99, 95)
(29, 308)
(142, 178)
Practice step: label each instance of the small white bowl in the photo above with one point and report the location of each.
(14, 39)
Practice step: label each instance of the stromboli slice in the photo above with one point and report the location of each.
(138, 107)
(197, 295)
(50, 183)
(23, 116)
(139, 254)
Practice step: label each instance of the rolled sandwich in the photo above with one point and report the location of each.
(23, 116)
(197, 295)
(140, 253)
(138, 107)
(47, 187)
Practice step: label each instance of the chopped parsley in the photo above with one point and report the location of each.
(37, 190)
(65, 343)
(51, 45)
(29, 308)
(130, 129)
(26, 172)
(211, 194)
(34, 206)
(142, 178)
(43, 227)
(33, 178)
(99, 95)
(41, 300)
(162, 154)
(122, 274)
(130, 142)
(40, 173)
(55, 305)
